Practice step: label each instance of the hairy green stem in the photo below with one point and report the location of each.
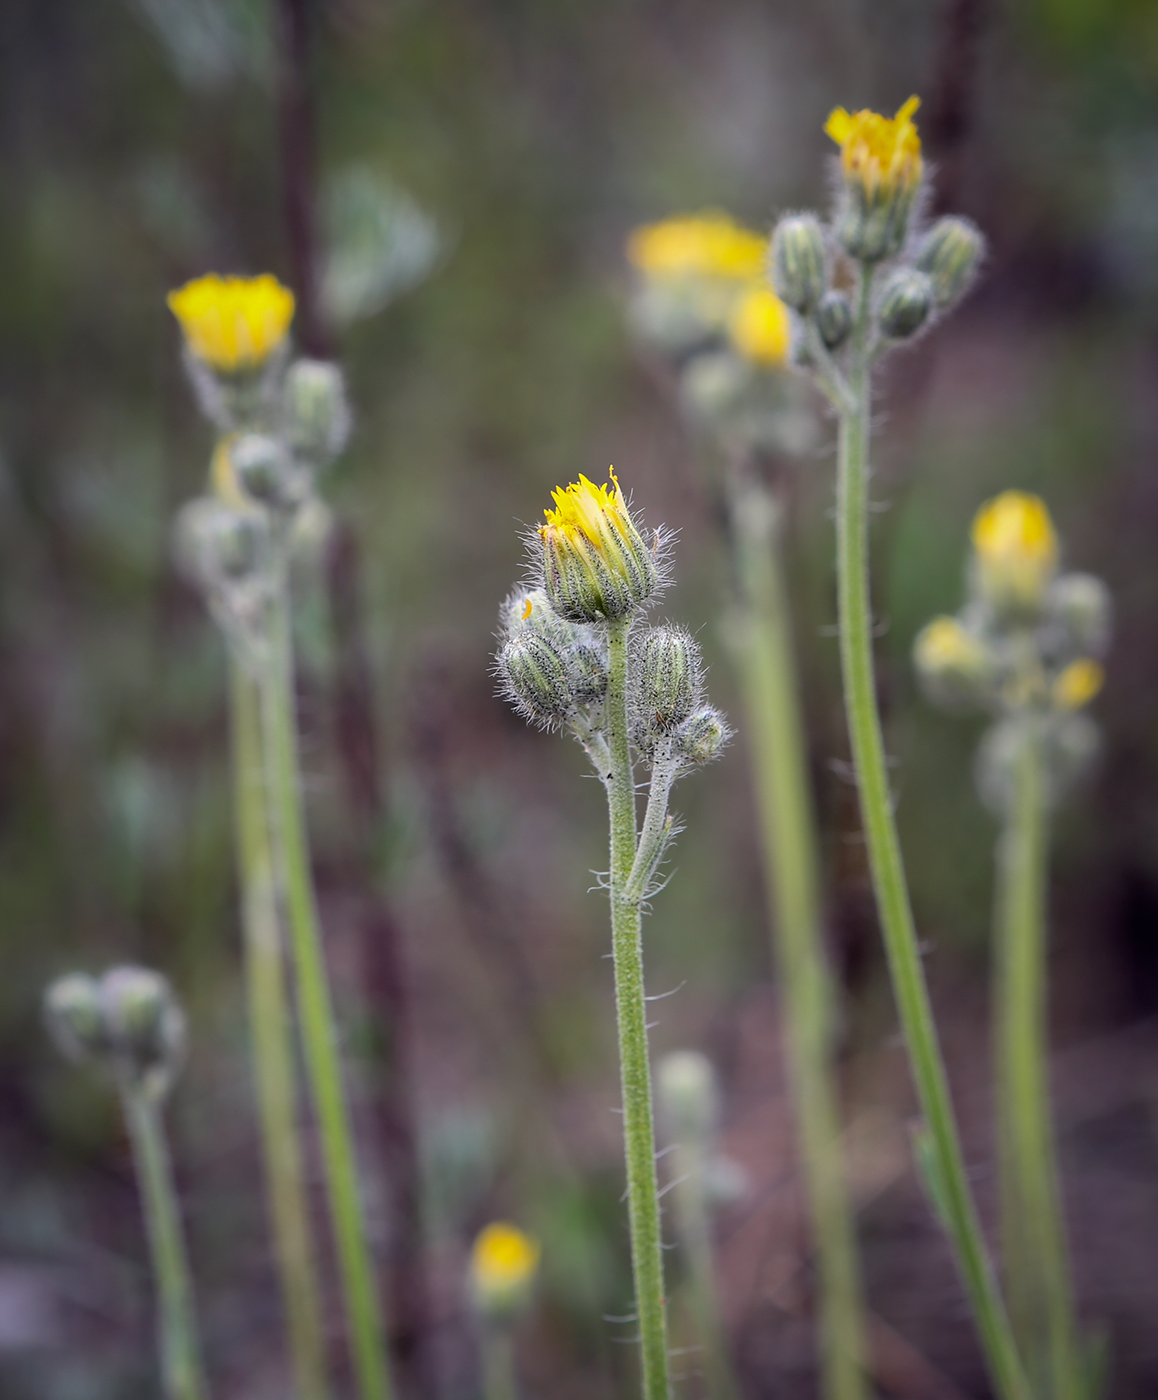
(764, 657)
(631, 1014)
(656, 829)
(271, 1029)
(315, 1011)
(1037, 1272)
(892, 895)
(176, 1320)
(498, 1362)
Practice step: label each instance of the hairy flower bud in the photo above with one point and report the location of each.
(260, 468)
(537, 678)
(881, 167)
(667, 679)
(954, 666)
(317, 414)
(596, 566)
(687, 1093)
(1077, 684)
(1015, 556)
(146, 1027)
(216, 544)
(702, 735)
(1079, 607)
(950, 252)
(905, 302)
(799, 271)
(75, 1018)
(834, 319)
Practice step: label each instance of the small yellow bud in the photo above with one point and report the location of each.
(703, 245)
(1077, 684)
(1015, 553)
(952, 664)
(880, 160)
(503, 1264)
(760, 328)
(233, 323)
(596, 565)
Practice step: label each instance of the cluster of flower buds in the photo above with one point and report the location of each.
(876, 223)
(128, 1022)
(1027, 644)
(280, 423)
(596, 569)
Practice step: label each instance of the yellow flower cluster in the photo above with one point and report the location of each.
(878, 153)
(233, 323)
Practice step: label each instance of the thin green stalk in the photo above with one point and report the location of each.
(764, 657)
(315, 1012)
(1037, 1272)
(689, 1168)
(176, 1321)
(498, 1362)
(892, 895)
(631, 1012)
(275, 1075)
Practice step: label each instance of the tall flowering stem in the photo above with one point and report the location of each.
(765, 660)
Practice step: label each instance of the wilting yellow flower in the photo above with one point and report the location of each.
(503, 1263)
(1078, 684)
(233, 323)
(700, 245)
(760, 327)
(878, 151)
(1016, 551)
(596, 566)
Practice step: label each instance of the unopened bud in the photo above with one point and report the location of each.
(587, 674)
(1080, 607)
(688, 1098)
(702, 735)
(1077, 684)
(215, 543)
(73, 1013)
(950, 253)
(1015, 553)
(146, 1027)
(318, 416)
(834, 319)
(799, 271)
(667, 678)
(953, 664)
(905, 302)
(537, 678)
(260, 467)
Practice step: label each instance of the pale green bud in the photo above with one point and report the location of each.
(667, 679)
(1070, 744)
(687, 1093)
(905, 302)
(702, 735)
(1080, 608)
(146, 1027)
(834, 319)
(317, 414)
(950, 253)
(587, 674)
(536, 678)
(799, 271)
(75, 1018)
(215, 543)
(261, 468)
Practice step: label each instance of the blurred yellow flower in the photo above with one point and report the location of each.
(878, 153)
(1078, 684)
(760, 327)
(233, 323)
(701, 245)
(943, 645)
(503, 1263)
(1016, 549)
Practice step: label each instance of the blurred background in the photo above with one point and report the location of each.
(448, 188)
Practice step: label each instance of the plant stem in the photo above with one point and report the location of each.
(275, 1074)
(315, 1012)
(498, 1362)
(176, 1322)
(892, 895)
(765, 660)
(631, 1013)
(1037, 1270)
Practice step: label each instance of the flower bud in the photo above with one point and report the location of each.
(760, 327)
(318, 416)
(881, 166)
(687, 1093)
(1080, 608)
(667, 679)
(587, 674)
(799, 271)
(145, 1026)
(536, 677)
(950, 253)
(1015, 556)
(905, 302)
(702, 735)
(503, 1264)
(953, 665)
(215, 543)
(75, 1019)
(596, 566)
(260, 467)
(1077, 684)
(834, 319)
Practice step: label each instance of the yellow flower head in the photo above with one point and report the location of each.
(701, 245)
(760, 328)
(878, 152)
(1016, 551)
(597, 567)
(1078, 684)
(944, 645)
(233, 323)
(503, 1263)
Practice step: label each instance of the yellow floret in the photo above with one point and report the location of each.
(233, 323)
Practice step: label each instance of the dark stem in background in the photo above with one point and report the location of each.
(949, 118)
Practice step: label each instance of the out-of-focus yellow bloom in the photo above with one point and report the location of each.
(596, 565)
(233, 323)
(1016, 550)
(760, 327)
(503, 1263)
(700, 245)
(944, 645)
(1078, 684)
(879, 153)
